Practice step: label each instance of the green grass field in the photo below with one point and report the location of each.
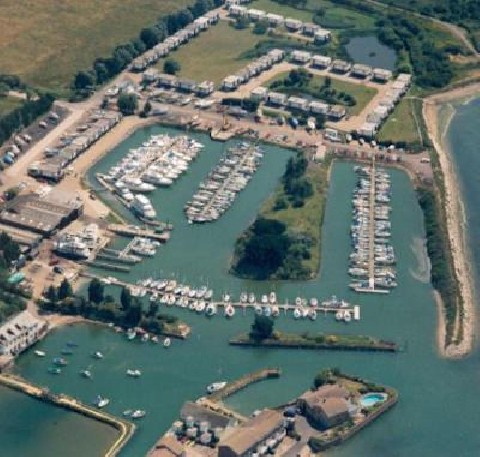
(7, 104)
(46, 42)
(214, 54)
(361, 93)
(401, 125)
(309, 218)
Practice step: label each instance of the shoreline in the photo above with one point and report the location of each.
(455, 220)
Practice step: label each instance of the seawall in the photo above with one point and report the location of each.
(126, 429)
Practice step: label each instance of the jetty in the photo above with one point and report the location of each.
(372, 259)
(132, 231)
(322, 308)
(126, 429)
(245, 381)
(318, 342)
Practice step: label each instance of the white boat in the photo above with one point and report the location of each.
(211, 309)
(297, 313)
(97, 355)
(229, 311)
(154, 339)
(243, 297)
(314, 302)
(273, 298)
(347, 316)
(40, 353)
(145, 337)
(167, 342)
(312, 314)
(251, 298)
(131, 334)
(138, 414)
(275, 311)
(339, 315)
(86, 374)
(101, 402)
(226, 298)
(134, 373)
(201, 306)
(216, 386)
(264, 300)
(298, 301)
(142, 206)
(258, 310)
(267, 311)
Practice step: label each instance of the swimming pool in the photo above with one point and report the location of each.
(372, 399)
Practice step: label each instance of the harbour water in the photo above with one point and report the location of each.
(437, 413)
(369, 51)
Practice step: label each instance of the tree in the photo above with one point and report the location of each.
(322, 378)
(127, 104)
(153, 309)
(262, 328)
(51, 294)
(133, 315)
(150, 37)
(242, 22)
(171, 67)
(260, 28)
(125, 298)
(10, 249)
(84, 80)
(65, 290)
(95, 291)
(148, 107)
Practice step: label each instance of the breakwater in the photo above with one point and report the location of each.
(126, 429)
(305, 343)
(244, 381)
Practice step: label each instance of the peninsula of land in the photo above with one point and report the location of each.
(464, 329)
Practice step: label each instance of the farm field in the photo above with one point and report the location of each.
(215, 54)
(8, 104)
(401, 124)
(361, 93)
(46, 42)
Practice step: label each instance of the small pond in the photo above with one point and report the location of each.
(369, 51)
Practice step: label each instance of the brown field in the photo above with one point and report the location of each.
(46, 42)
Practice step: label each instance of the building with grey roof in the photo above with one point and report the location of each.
(245, 439)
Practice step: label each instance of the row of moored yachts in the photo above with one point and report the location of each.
(157, 163)
(371, 244)
(218, 191)
(171, 293)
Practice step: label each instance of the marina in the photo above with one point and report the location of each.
(217, 193)
(207, 354)
(158, 162)
(372, 261)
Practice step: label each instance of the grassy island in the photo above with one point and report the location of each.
(316, 341)
(284, 241)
